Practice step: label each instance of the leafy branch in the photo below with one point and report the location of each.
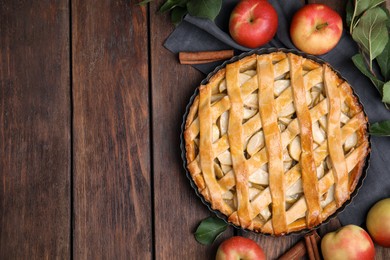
(369, 25)
(207, 9)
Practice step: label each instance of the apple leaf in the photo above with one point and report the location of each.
(363, 5)
(171, 4)
(380, 128)
(177, 14)
(369, 25)
(384, 58)
(358, 8)
(208, 9)
(384, 61)
(386, 93)
(371, 32)
(358, 60)
(349, 13)
(209, 229)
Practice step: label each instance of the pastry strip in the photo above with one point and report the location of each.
(309, 172)
(273, 142)
(205, 145)
(335, 145)
(236, 142)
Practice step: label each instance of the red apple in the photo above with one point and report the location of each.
(316, 29)
(347, 243)
(253, 23)
(239, 248)
(378, 222)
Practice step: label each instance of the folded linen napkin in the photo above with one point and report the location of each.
(195, 34)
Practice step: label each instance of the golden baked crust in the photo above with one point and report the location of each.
(276, 142)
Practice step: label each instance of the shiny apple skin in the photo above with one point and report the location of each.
(378, 222)
(253, 23)
(348, 243)
(238, 247)
(308, 35)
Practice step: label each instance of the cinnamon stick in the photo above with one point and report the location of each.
(311, 247)
(201, 57)
(299, 249)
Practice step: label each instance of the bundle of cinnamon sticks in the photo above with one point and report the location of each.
(308, 247)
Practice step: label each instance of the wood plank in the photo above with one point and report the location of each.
(112, 188)
(178, 210)
(35, 130)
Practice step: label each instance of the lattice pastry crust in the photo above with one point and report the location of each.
(276, 142)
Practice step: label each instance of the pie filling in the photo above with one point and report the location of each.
(276, 142)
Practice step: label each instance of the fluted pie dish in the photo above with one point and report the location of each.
(276, 142)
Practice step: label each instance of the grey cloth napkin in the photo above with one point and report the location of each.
(195, 34)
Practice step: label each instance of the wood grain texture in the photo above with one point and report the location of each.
(178, 210)
(112, 188)
(34, 130)
(273, 246)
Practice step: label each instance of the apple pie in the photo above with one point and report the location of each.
(276, 142)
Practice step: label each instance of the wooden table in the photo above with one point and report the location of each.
(90, 110)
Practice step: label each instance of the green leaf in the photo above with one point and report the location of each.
(386, 93)
(388, 17)
(384, 61)
(209, 229)
(170, 4)
(360, 7)
(363, 5)
(358, 60)
(380, 128)
(349, 12)
(371, 32)
(177, 15)
(208, 9)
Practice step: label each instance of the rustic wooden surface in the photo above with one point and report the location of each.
(90, 110)
(111, 131)
(35, 131)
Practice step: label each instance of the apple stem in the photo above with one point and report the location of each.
(320, 26)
